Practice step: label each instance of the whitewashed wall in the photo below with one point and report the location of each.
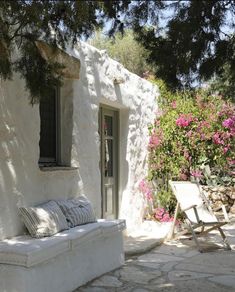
(21, 180)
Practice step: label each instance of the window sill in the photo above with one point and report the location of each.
(57, 168)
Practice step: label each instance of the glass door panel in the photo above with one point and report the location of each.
(109, 148)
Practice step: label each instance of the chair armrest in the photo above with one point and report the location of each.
(195, 211)
(222, 206)
(225, 214)
(188, 208)
(217, 208)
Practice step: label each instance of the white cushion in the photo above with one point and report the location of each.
(109, 226)
(79, 234)
(27, 251)
(43, 220)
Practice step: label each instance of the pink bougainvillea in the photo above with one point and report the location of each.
(154, 141)
(196, 173)
(229, 123)
(226, 149)
(217, 139)
(160, 214)
(192, 135)
(146, 189)
(184, 120)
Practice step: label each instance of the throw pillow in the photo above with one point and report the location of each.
(77, 211)
(43, 220)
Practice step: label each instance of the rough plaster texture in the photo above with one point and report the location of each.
(69, 270)
(21, 180)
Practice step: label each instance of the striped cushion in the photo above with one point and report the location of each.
(43, 220)
(77, 211)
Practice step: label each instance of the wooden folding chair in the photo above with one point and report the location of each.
(198, 213)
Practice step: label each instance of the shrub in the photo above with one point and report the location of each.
(192, 136)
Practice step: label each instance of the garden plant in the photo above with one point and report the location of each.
(192, 138)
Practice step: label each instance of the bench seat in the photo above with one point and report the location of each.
(71, 258)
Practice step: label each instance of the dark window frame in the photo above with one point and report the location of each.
(55, 159)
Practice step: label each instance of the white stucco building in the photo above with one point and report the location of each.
(91, 139)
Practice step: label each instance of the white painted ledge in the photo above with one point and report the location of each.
(58, 168)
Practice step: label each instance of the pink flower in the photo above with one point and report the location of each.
(205, 124)
(203, 136)
(162, 215)
(187, 155)
(225, 149)
(184, 120)
(229, 123)
(231, 161)
(143, 186)
(149, 195)
(189, 134)
(232, 173)
(160, 211)
(166, 218)
(145, 189)
(226, 110)
(217, 139)
(196, 173)
(154, 141)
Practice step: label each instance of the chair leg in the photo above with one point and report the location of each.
(225, 241)
(171, 233)
(195, 238)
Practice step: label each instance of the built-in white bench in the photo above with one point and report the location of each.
(62, 262)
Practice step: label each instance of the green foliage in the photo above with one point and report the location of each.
(166, 200)
(224, 83)
(192, 136)
(58, 23)
(33, 67)
(192, 44)
(125, 49)
(189, 44)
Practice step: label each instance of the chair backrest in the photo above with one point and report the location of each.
(187, 194)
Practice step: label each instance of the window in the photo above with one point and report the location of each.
(49, 129)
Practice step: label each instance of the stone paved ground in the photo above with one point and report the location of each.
(174, 266)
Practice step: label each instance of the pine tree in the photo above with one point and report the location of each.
(194, 44)
(186, 41)
(58, 23)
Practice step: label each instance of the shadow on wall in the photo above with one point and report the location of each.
(95, 83)
(66, 122)
(103, 70)
(21, 180)
(64, 184)
(15, 150)
(85, 132)
(123, 163)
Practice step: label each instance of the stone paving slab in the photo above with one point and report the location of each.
(175, 266)
(148, 236)
(140, 244)
(226, 280)
(158, 258)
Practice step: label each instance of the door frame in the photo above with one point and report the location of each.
(116, 111)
